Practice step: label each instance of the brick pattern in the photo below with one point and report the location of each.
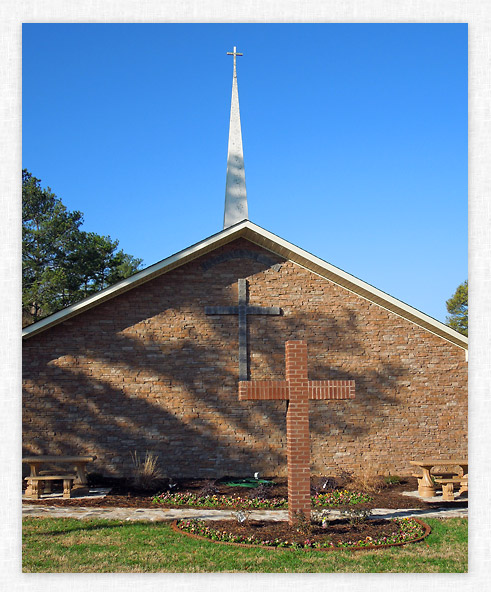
(297, 389)
(297, 430)
(148, 370)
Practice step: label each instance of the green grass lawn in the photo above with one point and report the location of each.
(69, 545)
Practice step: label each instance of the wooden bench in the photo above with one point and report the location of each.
(448, 485)
(33, 484)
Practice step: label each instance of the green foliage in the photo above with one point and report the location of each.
(62, 264)
(457, 308)
(392, 480)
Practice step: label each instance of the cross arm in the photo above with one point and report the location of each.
(262, 390)
(263, 310)
(221, 310)
(331, 389)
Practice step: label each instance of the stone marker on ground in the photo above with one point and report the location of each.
(297, 389)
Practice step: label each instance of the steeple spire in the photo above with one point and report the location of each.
(235, 188)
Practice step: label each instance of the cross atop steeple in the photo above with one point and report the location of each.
(235, 187)
(235, 54)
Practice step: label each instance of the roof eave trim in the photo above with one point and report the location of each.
(359, 287)
(271, 242)
(137, 279)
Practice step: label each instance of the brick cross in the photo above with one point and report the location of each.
(297, 389)
(242, 310)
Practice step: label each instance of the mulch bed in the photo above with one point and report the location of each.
(339, 534)
(338, 530)
(123, 496)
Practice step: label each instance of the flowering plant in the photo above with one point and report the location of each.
(409, 530)
(321, 500)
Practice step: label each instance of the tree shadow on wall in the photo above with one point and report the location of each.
(182, 403)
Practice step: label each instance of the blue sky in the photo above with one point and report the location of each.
(355, 139)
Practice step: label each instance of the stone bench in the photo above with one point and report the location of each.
(448, 486)
(437, 475)
(34, 487)
(47, 482)
(77, 464)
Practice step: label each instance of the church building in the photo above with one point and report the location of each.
(153, 363)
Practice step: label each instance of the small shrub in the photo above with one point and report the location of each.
(301, 523)
(344, 477)
(322, 484)
(356, 516)
(259, 492)
(146, 475)
(208, 488)
(367, 481)
(392, 480)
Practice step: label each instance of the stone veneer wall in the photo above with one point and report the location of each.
(149, 371)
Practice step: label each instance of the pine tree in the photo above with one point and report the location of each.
(61, 264)
(457, 308)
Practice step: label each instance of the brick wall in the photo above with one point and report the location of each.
(149, 371)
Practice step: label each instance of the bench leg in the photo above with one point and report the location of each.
(448, 494)
(67, 488)
(426, 488)
(32, 491)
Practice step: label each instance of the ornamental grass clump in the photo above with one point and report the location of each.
(368, 480)
(147, 475)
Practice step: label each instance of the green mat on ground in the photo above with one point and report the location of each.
(247, 482)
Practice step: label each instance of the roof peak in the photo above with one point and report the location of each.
(269, 241)
(235, 186)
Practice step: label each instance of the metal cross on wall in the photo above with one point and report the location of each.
(297, 389)
(243, 310)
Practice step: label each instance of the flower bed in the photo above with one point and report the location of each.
(321, 500)
(398, 531)
(220, 501)
(339, 497)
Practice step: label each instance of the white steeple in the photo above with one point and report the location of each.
(235, 188)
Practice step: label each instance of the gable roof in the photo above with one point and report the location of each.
(274, 244)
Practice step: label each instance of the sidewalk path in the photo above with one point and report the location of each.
(161, 514)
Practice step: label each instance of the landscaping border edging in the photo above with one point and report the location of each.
(427, 528)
